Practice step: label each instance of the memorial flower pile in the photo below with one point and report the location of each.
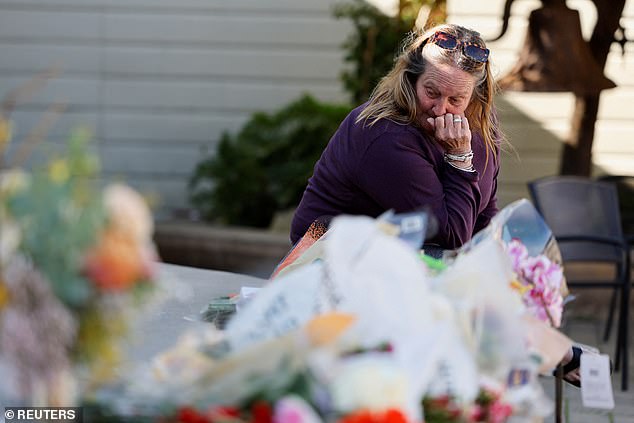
(365, 332)
(488, 407)
(361, 386)
(75, 259)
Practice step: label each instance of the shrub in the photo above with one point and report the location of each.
(265, 166)
(375, 42)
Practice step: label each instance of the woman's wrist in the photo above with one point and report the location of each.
(462, 161)
(461, 157)
(464, 166)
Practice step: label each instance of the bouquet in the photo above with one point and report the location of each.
(539, 280)
(74, 261)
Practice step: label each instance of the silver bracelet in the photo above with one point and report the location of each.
(469, 169)
(459, 157)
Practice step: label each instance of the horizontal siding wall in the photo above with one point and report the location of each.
(158, 81)
(538, 123)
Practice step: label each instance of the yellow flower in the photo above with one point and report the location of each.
(5, 133)
(98, 343)
(58, 171)
(520, 287)
(4, 295)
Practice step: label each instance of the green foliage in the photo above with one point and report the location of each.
(60, 213)
(264, 168)
(374, 43)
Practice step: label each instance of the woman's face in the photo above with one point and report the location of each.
(443, 89)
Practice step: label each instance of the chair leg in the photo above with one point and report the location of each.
(619, 341)
(608, 324)
(625, 316)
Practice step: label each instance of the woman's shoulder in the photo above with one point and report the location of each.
(383, 127)
(387, 137)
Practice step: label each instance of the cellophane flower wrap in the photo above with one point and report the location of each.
(328, 343)
(75, 261)
(539, 281)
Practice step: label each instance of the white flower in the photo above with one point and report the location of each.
(128, 212)
(12, 181)
(370, 381)
(9, 239)
(185, 363)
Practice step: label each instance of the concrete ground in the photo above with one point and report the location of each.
(584, 323)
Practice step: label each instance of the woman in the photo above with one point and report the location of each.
(428, 136)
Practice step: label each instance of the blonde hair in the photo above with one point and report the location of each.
(395, 97)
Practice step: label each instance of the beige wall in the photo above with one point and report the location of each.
(158, 81)
(537, 123)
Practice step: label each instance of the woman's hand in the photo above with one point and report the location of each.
(452, 133)
(573, 375)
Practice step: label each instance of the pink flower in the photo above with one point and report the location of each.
(544, 279)
(499, 412)
(293, 409)
(517, 251)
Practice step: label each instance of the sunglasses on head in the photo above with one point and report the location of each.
(449, 42)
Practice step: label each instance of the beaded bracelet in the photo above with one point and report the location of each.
(470, 169)
(459, 157)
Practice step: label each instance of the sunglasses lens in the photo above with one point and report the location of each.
(450, 42)
(445, 40)
(476, 53)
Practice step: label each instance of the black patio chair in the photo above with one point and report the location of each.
(625, 189)
(584, 217)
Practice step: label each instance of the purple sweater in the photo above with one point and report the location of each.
(368, 170)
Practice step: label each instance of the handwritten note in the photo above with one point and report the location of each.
(282, 306)
(596, 385)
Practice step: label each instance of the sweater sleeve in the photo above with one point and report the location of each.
(398, 174)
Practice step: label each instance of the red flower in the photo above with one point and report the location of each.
(261, 412)
(223, 412)
(391, 415)
(362, 416)
(190, 415)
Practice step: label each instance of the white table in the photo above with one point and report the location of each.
(190, 290)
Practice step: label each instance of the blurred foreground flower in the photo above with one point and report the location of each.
(5, 132)
(72, 263)
(124, 253)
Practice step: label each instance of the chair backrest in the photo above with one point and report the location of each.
(625, 189)
(583, 215)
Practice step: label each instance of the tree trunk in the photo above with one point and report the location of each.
(576, 158)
